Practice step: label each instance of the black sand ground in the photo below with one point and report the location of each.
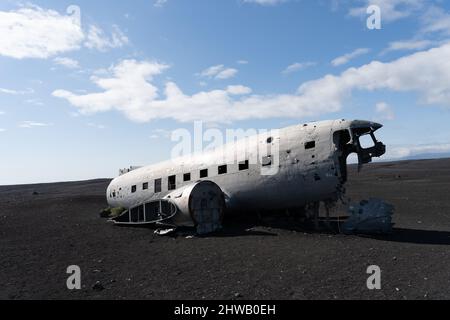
(41, 235)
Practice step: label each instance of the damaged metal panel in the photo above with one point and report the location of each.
(372, 216)
(200, 204)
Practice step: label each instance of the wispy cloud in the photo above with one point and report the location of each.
(67, 62)
(265, 2)
(227, 74)
(16, 92)
(436, 20)
(97, 39)
(212, 71)
(410, 45)
(242, 62)
(346, 58)
(297, 66)
(391, 10)
(384, 112)
(35, 102)
(161, 133)
(434, 30)
(160, 3)
(96, 125)
(219, 72)
(33, 124)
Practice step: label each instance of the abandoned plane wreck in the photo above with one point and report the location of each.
(301, 167)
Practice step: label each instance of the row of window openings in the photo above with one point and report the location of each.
(187, 177)
(266, 161)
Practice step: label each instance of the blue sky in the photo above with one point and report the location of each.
(84, 95)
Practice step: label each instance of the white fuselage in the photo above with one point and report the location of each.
(308, 171)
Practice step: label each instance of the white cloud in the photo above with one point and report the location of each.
(160, 3)
(67, 62)
(391, 10)
(398, 152)
(34, 32)
(219, 72)
(33, 124)
(96, 125)
(436, 20)
(16, 92)
(161, 134)
(297, 67)
(238, 90)
(212, 71)
(242, 62)
(227, 74)
(96, 39)
(408, 45)
(433, 84)
(384, 111)
(434, 31)
(130, 90)
(2, 113)
(349, 56)
(35, 102)
(265, 2)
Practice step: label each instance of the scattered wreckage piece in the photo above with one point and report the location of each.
(164, 232)
(373, 216)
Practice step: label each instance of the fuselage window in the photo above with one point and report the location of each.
(114, 194)
(145, 186)
(204, 173)
(133, 189)
(310, 145)
(172, 182)
(187, 177)
(158, 183)
(267, 161)
(243, 165)
(223, 169)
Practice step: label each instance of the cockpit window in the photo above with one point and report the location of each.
(366, 141)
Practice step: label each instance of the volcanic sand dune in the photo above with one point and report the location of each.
(42, 234)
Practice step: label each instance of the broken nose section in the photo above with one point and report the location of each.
(377, 149)
(366, 155)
